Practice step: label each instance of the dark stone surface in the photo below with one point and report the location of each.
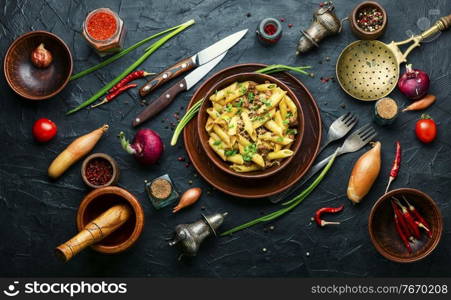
(36, 215)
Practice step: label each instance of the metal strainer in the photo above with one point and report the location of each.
(369, 70)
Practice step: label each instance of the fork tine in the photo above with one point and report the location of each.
(347, 117)
(366, 131)
(369, 138)
(343, 117)
(351, 121)
(361, 129)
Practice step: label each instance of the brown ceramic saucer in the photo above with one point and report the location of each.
(203, 116)
(264, 187)
(382, 230)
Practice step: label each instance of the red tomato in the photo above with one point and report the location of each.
(44, 130)
(425, 129)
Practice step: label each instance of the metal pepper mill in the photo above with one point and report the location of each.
(325, 23)
(188, 237)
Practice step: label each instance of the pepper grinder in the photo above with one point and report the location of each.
(188, 237)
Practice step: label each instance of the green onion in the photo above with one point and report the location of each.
(120, 54)
(133, 66)
(290, 205)
(191, 113)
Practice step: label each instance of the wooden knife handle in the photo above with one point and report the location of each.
(166, 75)
(94, 231)
(160, 103)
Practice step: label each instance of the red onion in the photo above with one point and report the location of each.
(414, 83)
(146, 147)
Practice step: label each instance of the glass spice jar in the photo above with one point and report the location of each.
(104, 30)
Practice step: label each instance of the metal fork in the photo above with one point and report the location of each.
(339, 128)
(354, 142)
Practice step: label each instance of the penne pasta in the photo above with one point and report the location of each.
(221, 133)
(244, 168)
(284, 153)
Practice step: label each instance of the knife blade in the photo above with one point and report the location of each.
(184, 65)
(169, 95)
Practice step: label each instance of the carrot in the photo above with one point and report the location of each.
(364, 173)
(423, 103)
(76, 150)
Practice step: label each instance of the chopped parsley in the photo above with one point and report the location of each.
(267, 103)
(230, 152)
(285, 122)
(232, 126)
(271, 86)
(249, 152)
(251, 97)
(239, 103)
(292, 131)
(217, 143)
(289, 114)
(228, 108)
(243, 90)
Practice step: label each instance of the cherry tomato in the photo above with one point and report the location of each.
(44, 130)
(425, 129)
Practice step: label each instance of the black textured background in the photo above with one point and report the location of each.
(36, 215)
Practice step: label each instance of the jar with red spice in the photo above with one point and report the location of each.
(99, 170)
(269, 31)
(104, 31)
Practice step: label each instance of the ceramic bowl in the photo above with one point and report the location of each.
(203, 116)
(29, 81)
(359, 32)
(382, 230)
(114, 178)
(100, 200)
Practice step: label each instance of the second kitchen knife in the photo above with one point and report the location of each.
(183, 85)
(199, 59)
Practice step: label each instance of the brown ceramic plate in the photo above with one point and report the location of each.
(383, 233)
(203, 116)
(29, 81)
(100, 200)
(264, 187)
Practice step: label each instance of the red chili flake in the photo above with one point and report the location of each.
(187, 165)
(282, 19)
(321, 4)
(181, 158)
(270, 29)
(99, 171)
(101, 25)
(290, 25)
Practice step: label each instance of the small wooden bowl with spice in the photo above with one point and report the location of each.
(368, 20)
(383, 229)
(99, 170)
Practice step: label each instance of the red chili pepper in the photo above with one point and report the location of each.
(323, 210)
(113, 95)
(395, 167)
(409, 220)
(402, 235)
(402, 222)
(421, 221)
(130, 77)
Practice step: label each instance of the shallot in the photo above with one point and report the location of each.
(188, 198)
(414, 83)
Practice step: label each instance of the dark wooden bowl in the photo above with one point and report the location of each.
(100, 200)
(359, 32)
(263, 187)
(383, 233)
(29, 81)
(113, 164)
(203, 116)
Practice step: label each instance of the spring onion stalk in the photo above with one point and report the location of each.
(191, 113)
(120, 54)
(293, 202)
(133, 66)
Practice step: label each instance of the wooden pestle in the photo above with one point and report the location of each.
(94, 231)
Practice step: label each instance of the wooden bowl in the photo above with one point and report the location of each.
(359, 32)
(114, 178)
(203, 116)
(383, 233)
(29, 81)
(100, 200)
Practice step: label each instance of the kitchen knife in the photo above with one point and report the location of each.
(190, 63)
(183, 85)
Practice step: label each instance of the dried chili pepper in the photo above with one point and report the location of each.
(402, 222)
(130, 77)
(395, 166)
(324, 210)
(402, 234)
(421, 221)
(409, 220)
(113, 95)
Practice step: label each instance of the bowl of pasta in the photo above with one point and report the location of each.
(250, 125)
